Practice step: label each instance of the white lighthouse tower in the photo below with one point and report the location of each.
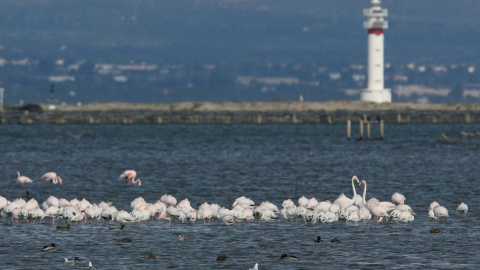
(375, 24)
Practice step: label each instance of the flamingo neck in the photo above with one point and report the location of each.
(364, 193)
(134, 181)
(354, 190)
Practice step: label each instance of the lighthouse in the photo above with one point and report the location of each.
(375, 24)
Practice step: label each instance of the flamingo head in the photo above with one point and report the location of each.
(362, 182)
(355, 178)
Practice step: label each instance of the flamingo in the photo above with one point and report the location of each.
(345, 202)
(323, 206)
(168, 200)
(254, 267)
(229, 220)
(432, 205)
(303, 201)
(3, 202)
(23, 180)
(53, 178)
(440, 212)
(35, 214)
(312, 203)
(130, 175)
(379, 212)
(398, 198)
(462, 208)
(375, 209)
(244, 202)
(123, 217)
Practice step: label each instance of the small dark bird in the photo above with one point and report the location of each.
(335, 240)
(289, 257)
(150, 256)
(63, 228)
(180, 236)
(122, 226)
(29, 196)
(52, 247)
(221, 257)
(125, 240)
(72, 261)
(435, 230)
(319, 239)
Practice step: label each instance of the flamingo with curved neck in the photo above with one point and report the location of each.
(343, 201)
(135, 181)
(130, 175)
(354, 178)
(364, 191)
(53, 178)
(378, 211)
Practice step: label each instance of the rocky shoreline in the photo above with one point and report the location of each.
(294, 112)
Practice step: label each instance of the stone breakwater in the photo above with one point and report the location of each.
(334, 112)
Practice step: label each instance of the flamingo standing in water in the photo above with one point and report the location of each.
(130, 175)
(375, 209)
(23, 179)
(398, 198)
(462, 207)
(53, 178)
(343, 201)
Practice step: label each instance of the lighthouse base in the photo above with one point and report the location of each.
(377, 96)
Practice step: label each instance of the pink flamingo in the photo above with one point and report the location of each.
(53, 178)
(398, 198)
(378, 211)
(130, 175)
(343, 201)
(23, 179)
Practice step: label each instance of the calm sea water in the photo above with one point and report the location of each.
(218, 163)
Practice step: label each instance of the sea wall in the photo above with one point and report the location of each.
(242, 113)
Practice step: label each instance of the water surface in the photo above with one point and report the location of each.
(218, 163)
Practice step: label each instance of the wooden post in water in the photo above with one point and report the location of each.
(361, 129)
(349, 129)
(381, 130)
(468, 119)
(368, 130)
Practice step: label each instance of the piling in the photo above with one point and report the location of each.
(361, 129)
(349, 129)
(368, 130)
(468, 118)
(329, 120)
(381, 130)
(259, 119)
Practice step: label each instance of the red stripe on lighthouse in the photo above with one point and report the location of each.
(376, 31)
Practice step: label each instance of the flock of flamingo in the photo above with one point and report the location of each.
(243, 209)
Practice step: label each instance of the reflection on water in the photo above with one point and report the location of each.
(220, 163)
